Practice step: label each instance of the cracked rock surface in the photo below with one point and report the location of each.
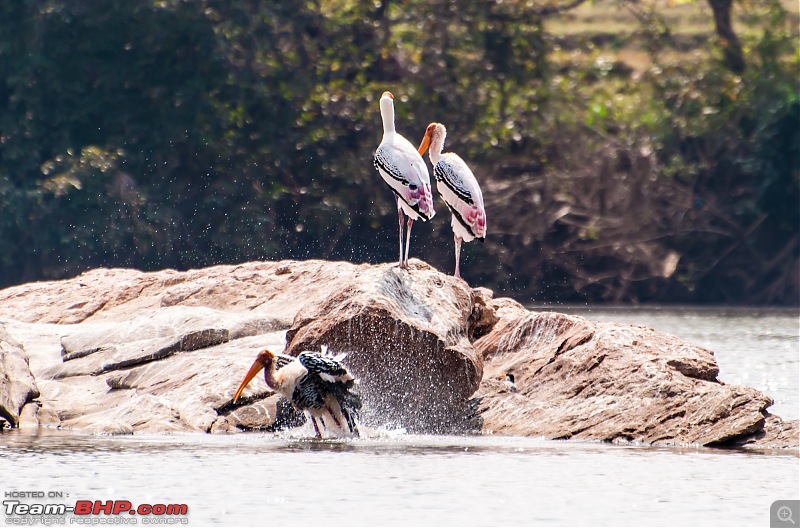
(119, 351)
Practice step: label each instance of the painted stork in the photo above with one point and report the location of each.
(405, 172)
(458, 188)
(318, 385)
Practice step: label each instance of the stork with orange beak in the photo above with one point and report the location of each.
(316, 384)
(458, 188)
(405, 172)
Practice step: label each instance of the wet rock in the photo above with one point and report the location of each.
(605, 381)
(406, 336)
(776, 434)
(127, 351)
(17, 384)
(271, 413)
(484, 314)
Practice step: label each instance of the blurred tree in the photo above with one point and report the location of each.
(731, 47)
(182, 134)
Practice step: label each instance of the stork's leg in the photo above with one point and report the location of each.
(410, 222)
(458, 254)
(335, 420)
(400, 218)
(316, 427)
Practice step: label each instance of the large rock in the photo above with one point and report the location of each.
(17, 384)
(121, 351)
(277, 289)
(142, 375)
(611, 382)
(407, 339)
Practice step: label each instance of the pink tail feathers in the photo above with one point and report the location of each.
(476, 217)
(426, 202)
(421, 199)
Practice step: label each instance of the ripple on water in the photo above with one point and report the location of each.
(404, 479)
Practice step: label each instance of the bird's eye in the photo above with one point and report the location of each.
(412, 187)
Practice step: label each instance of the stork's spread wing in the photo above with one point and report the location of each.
(309, 393)
(325, 376)
(281, 360)
(325, 367)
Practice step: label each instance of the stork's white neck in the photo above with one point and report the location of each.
(387, 115)
(437, 143)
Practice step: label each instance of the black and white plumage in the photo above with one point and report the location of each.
(458, 188)
(281, 360)
(403, 170)
(316, 384)
(509, 383)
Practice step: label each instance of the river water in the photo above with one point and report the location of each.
(396, 479)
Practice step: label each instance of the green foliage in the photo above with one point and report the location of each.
(735, 142)
(183, 134)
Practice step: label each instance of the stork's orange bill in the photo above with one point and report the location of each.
(459, 190)
(426, 139)
(255, 369)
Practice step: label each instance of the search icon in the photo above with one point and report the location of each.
(785, 514)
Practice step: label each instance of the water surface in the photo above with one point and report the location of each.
(255, 479)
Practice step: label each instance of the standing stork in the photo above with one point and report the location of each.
(459, 190)
(405, 172)
(316, 384)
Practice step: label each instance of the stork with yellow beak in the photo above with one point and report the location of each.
(316, 384)
(458, 188)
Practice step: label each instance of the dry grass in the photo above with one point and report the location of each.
(684, 17)
(607, 30)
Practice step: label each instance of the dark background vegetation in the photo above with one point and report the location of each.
(628, 151)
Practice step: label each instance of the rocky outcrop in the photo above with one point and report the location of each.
(131, 352)
(406, 334)
(605, 381)
(121, 351)
(17, 385)
(776, 434)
